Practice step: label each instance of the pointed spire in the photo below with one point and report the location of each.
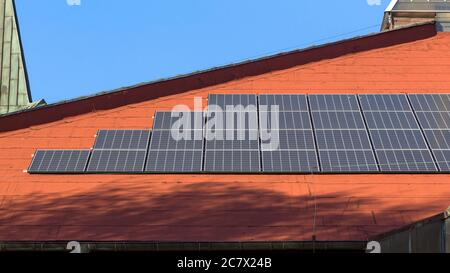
(14, 89)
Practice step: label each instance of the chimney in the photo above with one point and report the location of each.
(401, 13)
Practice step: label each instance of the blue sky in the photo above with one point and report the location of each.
(102, 45)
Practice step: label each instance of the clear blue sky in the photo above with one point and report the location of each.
(102, 45)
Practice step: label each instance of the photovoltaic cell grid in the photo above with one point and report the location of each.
(59, 161)
(119, 151)
(287, 146)
(400, 135)
(433, 114)
(342, 140)
(232, 142)
(397, 138)
(176, 145)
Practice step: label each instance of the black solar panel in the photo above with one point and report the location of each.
(286, 120)
(232, 161)
(231, 102)
(338, 120)
(285, 103)
(175, 161)
(430, 102)
(119, 151)
(333, 103)
(290, 161)
(406, 160)
(341, 135)
(177, 143)
(288, 144)
(168, 120)
(343, 140)
(397, 137)
(122, 140)
(117, 161)
(438, 139)
(442, 159)
(433, 114)
(388, 102)
(434, 120)
(341, 161)
(166, 140)
(232, 140)
(59, 161)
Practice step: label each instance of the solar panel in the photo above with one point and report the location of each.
(341, 135)
(168, 120)
(117, 161)
(59, 161)
(442, 159)
(341, 161)
(232, 161)
(175, 161)
(333, 103)
(434, 120)
(288, 144)
(122, 140)
(391, 120)
(232, 140)
(177, 143)
(433, 114)
(285, 103)
(119, 151)
(287, 120)
(229, 102)
(342, 139)
(391, 102)
(398, 140)
(430, 102)
(406, 160)
(290, 161)
(164, 140)
(338, 120)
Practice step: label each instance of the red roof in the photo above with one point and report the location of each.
(225, 207)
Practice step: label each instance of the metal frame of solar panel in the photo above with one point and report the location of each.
(342, 140)
(396, 135)
(232, 150)
(59, 161)
(177, 143)
(433, 114)
(119, 151)
(287, 139)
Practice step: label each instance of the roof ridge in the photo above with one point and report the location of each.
(214, 76)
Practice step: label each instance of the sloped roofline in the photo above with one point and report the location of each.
(219, 75)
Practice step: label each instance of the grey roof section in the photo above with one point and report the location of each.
(422, 6)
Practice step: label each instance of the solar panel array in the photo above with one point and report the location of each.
(243, 133)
